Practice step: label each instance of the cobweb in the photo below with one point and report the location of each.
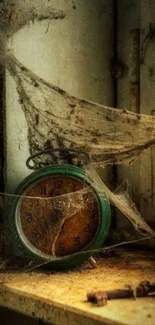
(57, 120)
(45, 231)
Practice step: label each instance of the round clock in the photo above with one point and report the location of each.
(59, 217)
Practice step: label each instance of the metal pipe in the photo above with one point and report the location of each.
(134, 71)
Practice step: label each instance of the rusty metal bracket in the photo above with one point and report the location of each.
(150, 36)
(117, 67)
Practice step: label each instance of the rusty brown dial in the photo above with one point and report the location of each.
(44, 220)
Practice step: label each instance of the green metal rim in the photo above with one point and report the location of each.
(101, 234)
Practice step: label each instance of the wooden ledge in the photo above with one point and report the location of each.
(60, 297)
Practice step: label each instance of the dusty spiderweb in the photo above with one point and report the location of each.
(57, 120)
(59, 226)
(40, 219)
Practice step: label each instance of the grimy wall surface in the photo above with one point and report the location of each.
(147, 97)
(136, 49)
(128, 87)
(73, 53)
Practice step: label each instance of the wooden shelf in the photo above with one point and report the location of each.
(60, 297)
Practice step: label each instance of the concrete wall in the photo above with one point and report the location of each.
(147, 165)
(73, 53)
(141, 175)
(128, 21)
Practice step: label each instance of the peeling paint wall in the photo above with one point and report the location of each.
(128, 21)
(147, 164)
(138, 15)
(72, 52)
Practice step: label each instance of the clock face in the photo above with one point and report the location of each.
(53, 219)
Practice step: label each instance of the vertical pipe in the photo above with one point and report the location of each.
(2, 138)
(115, 46)
(134, 73)
(115, 88)
(2, 150)
(2, 94)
